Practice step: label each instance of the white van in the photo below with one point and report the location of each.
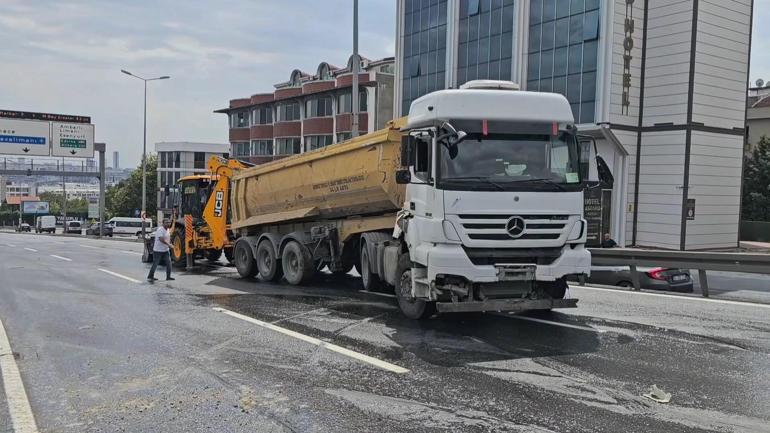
(46, 223)
(129, 226)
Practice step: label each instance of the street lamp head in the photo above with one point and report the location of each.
(126, 72)
(165, 77)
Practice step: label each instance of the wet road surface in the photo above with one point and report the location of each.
(98, 352)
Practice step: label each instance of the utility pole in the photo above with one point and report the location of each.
(64, 192)
(356, 64)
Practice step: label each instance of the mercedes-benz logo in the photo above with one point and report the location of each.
(515, 227)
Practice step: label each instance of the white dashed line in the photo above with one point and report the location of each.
(22, 419)
(131, 252)
(329, 346)
(11, 245)
(115, 274)
(387, 295)
(563, 325)
(89, 246)
(681, 297)
(31, 249)
(60, 257)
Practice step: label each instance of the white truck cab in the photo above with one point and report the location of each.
(493, 216)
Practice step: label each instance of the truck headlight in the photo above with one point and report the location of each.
(577, 231)
(450, 232)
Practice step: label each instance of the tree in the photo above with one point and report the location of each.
(126, 197)
(756, 183)
(75, 206)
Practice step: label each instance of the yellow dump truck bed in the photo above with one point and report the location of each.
(353, 178)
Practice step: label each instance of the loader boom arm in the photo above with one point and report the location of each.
(216, 211)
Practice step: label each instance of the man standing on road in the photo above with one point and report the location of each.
(160, 250)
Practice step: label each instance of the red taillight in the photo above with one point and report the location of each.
(656, 274)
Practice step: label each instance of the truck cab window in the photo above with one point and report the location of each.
(422, 158)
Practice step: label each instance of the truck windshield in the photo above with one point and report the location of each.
(510, 162)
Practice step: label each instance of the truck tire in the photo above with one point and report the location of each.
(369, 280)
(244, 260)
(298, 264)
(213, 255)
(412, 308)
(178, 256)
(268, 266)
(555, 289)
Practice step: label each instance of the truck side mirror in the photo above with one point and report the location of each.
(407, 151)
(603, 170)
(403, 177)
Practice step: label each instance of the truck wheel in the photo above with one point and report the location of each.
(229, 256)
(412, 308)
(178, 255)
(267, 263)
(369, 280)
(298, 264)
(555, 289)
(244, 260)
(213, 255)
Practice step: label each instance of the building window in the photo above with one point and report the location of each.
(563, 52)
(262, 147)
(424, 55)
(345, 101)
(262, 116)
(177, 160)
(241, 149)
(287, 145)
(344, 136)
(318, 107)
(288, 112)
(239, 119)
(162, 156)
(313, 142)
(199, 160)
(485, 40)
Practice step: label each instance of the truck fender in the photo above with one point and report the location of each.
(273, 238)
(390, 256)
(252, 241)
(375, 243)
(301, 237)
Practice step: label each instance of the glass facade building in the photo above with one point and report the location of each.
(425, 48)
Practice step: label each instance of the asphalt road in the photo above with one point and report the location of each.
(211, 352)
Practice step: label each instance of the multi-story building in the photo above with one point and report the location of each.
(74, 190)
(179, 159)
(116, 160)
(310, 111)
(661, 85)
(20, 189)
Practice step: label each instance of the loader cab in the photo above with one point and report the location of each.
(194, 193)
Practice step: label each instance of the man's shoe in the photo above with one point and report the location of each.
(170, 279)
(151, 279)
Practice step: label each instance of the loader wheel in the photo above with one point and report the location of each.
(298, 264)
(244, 260)
(267, 263)
(213, 255)
(369, 280)
(178, 255)
(229, 255)
(412, 308)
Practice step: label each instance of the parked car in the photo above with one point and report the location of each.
(73, 227)
(673, 279)
(93, 229)
(46, 223)
(24, 227)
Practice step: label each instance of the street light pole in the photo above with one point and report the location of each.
(144, 144)
(356, 63)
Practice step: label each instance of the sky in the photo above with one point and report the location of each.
(65, 56)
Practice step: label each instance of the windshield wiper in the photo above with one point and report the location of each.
(545, 180)
(480, 178)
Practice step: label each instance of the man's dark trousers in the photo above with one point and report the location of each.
(156, 258)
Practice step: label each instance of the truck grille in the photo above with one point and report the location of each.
(492, 227)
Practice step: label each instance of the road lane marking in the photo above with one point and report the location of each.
(387, 295)
(312, 340)
(550, 322)
(22, 419)
(115, 274)
(131, 252)
(689, 298)
(11, 245)
(60, 257)
(31, 249)
(89, 246)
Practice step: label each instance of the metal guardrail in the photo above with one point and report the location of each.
(751, 263)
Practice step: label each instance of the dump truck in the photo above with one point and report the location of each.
(473, 202)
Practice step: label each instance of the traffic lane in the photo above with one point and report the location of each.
(139, 356)
(738, 286)
(602, 374)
